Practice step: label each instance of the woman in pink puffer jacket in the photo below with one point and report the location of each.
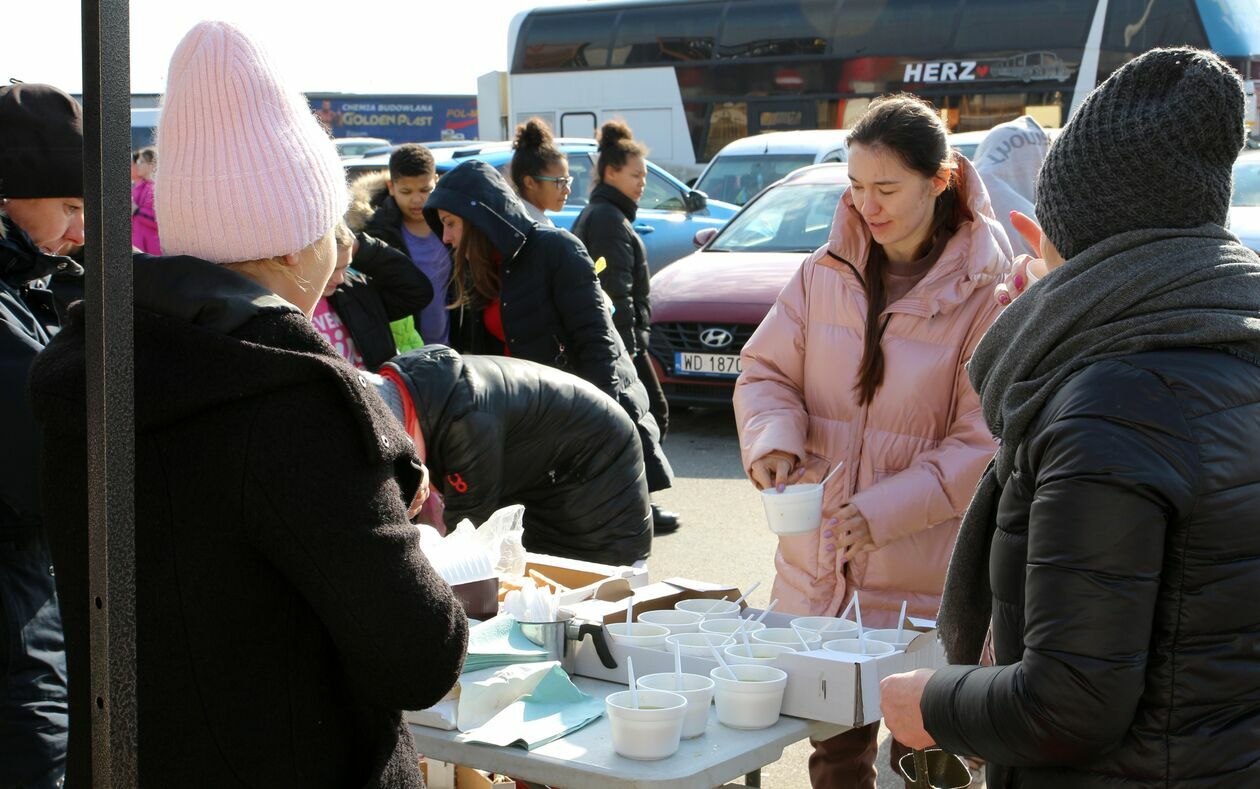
(827, 379)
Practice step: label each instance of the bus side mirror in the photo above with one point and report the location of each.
(696, 201)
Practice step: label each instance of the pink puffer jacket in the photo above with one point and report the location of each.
(913, 456)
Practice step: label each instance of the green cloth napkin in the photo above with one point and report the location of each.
(500, 642)
(555, 708)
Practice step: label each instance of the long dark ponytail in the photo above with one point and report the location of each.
(910, 128)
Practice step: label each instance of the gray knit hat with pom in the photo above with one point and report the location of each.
(1152, 147)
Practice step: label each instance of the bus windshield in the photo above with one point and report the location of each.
(788, 218)
(737, 179)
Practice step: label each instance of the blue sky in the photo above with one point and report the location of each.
(380, 46)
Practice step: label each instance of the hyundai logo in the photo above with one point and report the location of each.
(716, 338)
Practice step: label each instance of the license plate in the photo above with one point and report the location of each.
(715, 365)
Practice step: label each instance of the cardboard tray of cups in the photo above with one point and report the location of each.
(582, 580)
(822, 685)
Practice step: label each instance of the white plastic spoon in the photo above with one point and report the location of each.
(634, 691)
(769, 608)
(718, 657)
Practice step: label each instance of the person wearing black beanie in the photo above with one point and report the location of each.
(41, 218)
(1111, 551)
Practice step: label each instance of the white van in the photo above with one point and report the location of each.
(745, 167)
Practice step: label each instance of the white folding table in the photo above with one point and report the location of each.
(585, 759)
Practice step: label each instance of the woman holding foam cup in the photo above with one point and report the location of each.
(862, 360)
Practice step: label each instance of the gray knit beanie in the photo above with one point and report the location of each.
(1152, 147)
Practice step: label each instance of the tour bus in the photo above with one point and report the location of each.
(690, 77)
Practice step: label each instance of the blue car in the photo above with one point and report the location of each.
(670, 214)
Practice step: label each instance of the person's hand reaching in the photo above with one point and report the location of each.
(775, 470)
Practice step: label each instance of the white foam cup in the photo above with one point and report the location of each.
(890, 637)
(731, 627)
(639, 634)
(752, 698)
(852, 647)
(651, 731)
(711, 609)
(673, 620)
(695, 688)
(696, 644)
(828, 627)
(797, 510)
(787, 637)
(754, 654)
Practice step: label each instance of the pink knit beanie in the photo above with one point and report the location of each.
(247, 172)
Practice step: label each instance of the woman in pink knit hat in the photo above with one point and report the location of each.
(285, 613)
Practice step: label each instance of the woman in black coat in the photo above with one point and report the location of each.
(605, 226)
(498, 431)
(285, 615)
(1114, 543)
(530, 292)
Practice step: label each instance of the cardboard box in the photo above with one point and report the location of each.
(444, 775)
(821, 686)
(585, 580)
(607, 608)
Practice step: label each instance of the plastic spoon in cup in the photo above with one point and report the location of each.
(901, 621)
(857, 608)
(747, 643)
(769, 608)
(718, 657)
(848, 607)
(634, 691)
(678, 683)
(629, 612)
(801, 636)
(751, 589)
(832, 473)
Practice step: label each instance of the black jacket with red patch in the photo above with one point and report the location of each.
(500, 431)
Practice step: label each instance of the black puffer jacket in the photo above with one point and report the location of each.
(605, 227)
(285, 613)
(1125, 571)
(501, 431)
(552, 309)
(382, 285)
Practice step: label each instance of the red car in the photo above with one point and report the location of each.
(706, 305)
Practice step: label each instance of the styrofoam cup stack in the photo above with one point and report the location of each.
(638, 634)
(731, 627)
(797, 510)
(696, 644)
(652, 730)
(854, 648)
(673, 620)
(751, 698)
(754, 654)
(710, 609)
(787, 637)
(696, 689)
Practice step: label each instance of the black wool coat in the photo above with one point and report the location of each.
(382, 285)
(501, 431)
(552, 308)
(1125, 570)
(605, 226)
(285, 613)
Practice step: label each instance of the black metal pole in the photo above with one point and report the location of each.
(110, 417)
